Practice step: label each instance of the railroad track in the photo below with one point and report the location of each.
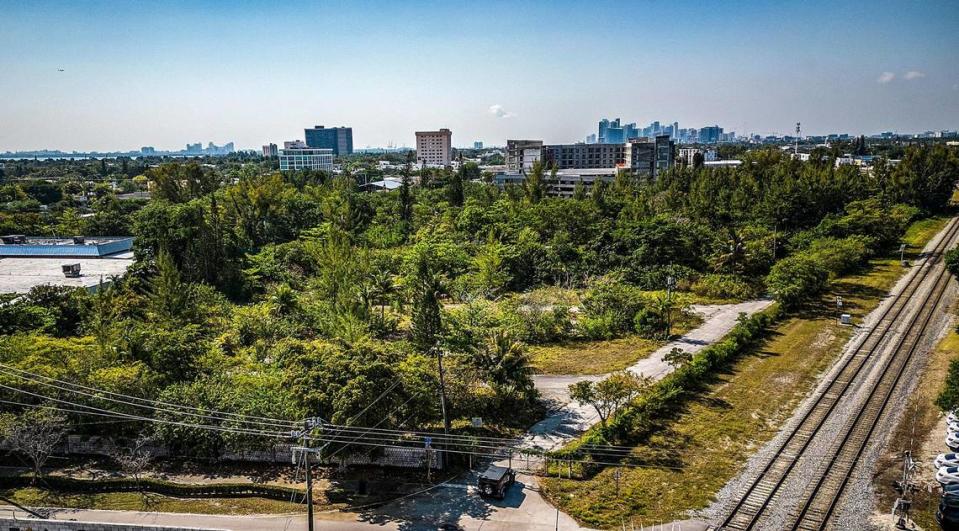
(820, 501)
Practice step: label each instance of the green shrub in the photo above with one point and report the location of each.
(795, 279)
(719, 286)
(840, 255)
(948, 398)
(649, 323)
(952, 261)
(614, 303)
(598, 327)
(537, 324)
(654, 277)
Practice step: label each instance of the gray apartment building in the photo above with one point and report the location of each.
(571, 156)
(643, 155)
(585, 164)
(515, 151)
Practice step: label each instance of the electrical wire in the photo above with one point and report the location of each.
(329, 439)
(130, 399)
(268, 421)
(447, 439)
(117, 414)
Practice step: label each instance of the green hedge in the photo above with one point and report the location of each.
(166, 488)
(640, 419)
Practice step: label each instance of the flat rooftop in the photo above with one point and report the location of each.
(20, 274)
(92, 247)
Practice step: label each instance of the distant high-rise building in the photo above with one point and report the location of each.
(147, 150)
(194, 148)
(434, 148)
(614, 132)
(306, 158)
(339, 139)
(611, 132)
(710, 135)
(295, 144)
(477, 145)
(591, 139)
(270, 150)
(603, 127)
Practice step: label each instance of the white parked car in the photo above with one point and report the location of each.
(952, 441)
(952, 426)
(942, 460)
(952, 417)
(948, 475)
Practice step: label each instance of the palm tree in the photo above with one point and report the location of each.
(283, 300)
(382, 289)
(505, 363)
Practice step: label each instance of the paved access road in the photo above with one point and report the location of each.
(573, 418)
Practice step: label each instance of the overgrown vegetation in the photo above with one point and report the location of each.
(282, 296)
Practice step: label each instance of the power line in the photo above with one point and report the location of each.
(137, 399)
(274, 423)
(246, 419)
(476, 441)
(117, 414)
(276, 435)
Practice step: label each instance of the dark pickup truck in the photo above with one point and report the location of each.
(494, 481)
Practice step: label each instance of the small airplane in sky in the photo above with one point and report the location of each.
(59, 70)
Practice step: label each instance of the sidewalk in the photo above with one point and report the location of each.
(573, 418)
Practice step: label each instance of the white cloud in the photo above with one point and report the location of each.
(914, 74)
(500, 112)
(886, 77)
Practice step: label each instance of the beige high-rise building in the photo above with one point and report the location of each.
(434, 148)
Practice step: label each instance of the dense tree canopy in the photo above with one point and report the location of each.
(291, 295)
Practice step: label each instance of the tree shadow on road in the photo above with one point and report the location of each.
(443, 507)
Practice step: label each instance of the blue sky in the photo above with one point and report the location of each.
(168, 73)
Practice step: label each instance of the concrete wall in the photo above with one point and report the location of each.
(9, 524)
(404, 457)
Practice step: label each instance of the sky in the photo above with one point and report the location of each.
(168, 73)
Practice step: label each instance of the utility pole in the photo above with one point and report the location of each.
(903, 504)
(796, 148)
(670, 285)
(439, 361)
(306, 451)
(309, 491)
(446, 421)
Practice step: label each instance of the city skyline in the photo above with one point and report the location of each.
(167, 73)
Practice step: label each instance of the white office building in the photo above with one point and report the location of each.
(306, 159)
